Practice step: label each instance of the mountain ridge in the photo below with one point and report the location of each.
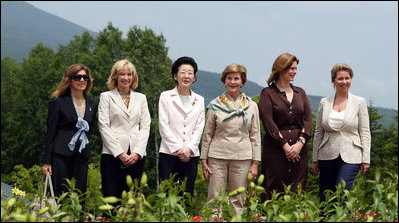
(208, 85)
(23, 26)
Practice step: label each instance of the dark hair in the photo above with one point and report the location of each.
(181, 61)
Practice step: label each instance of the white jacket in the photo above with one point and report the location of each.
(180, 126)
(120, 126)
(352, 141)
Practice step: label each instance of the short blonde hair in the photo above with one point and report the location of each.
(117, 69)
(235, 68)
(281, 64)
(340, 67)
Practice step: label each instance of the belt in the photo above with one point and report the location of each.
(290, 127)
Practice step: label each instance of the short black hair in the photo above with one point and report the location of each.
(181, 61)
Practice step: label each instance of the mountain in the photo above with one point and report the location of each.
(23, 26)
(208, 85)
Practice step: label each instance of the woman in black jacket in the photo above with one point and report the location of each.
(71, 116)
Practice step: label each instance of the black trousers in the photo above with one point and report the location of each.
(333, 171)
(113, 177)
(75, 166)
(170, 164)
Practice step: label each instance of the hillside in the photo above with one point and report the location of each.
(23, 26)
(209, 86)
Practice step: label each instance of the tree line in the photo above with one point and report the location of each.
(26, 88)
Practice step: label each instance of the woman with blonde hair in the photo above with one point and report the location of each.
(287, 118)
(124, 124)
(341, 145)
(71, 115)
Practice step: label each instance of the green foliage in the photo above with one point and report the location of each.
(384, 144)
(25, 179)
(26, 108)
(69, 204)
(200, 192)
(25, 92)
(93, 193)
(379, 202)
(26, 89)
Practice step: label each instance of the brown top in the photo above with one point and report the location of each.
(279, 115)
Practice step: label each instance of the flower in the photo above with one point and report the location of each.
(197, 218)
(19, 192)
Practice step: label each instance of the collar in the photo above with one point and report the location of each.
(275, 88)
(176, 93)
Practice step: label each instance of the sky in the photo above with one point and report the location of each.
(217, 33)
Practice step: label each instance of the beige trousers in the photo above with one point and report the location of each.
(233, 171)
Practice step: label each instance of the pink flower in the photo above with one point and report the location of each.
(305, 213)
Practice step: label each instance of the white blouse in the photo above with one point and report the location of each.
(185, 99)
(336, 119)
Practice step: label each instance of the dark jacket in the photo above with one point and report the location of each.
(61, 126)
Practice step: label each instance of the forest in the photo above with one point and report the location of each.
(25, 95)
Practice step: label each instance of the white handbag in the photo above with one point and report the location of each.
(39, 203)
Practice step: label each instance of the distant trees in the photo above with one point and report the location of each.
(25, 95)
(384, 143)
(26, 90)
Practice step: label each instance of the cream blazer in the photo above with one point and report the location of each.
(352, 141)
(232, 139)
(180, 126)
(120, 126)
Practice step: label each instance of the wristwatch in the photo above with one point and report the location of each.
(302, 141)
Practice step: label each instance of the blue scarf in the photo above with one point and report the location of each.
(83, 127)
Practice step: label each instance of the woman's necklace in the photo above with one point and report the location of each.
(340, 104)
(126, 100)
